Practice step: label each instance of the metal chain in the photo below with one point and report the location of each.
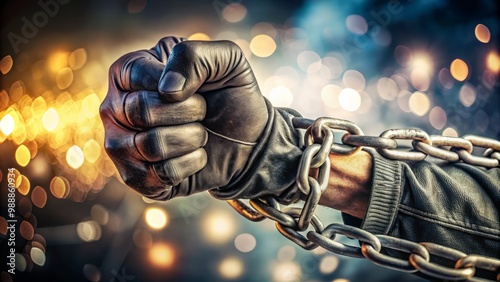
(318, 139)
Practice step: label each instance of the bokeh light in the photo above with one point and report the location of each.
(218, 227)
(467, 95)
(322, 58)
(286, 253)
(482, 33)
(437, 117)
(356, 24)
(234, 12)
(330, 95)
(7, 124)
(262, 45)
(6, 64)
(23, 155)
(50, 119)
(459, 69)
(245, 242)
(89, 231)
(387, 88)
(64, 78)
(328, 264)
(349, 99)
(199, 36)
(450, 132)
(23, 185)
(75, 157)
(231, 268)
(99, 214)
(281, 96)
(92, 273)
(57, 61)
(493, 61)
(59, 187)
(26, 230)
(422, 62)
(309, 61)
(161, 255)
(419, 103)
(354, 79)
(286, 272)
(77, 59)
(39, 197)
(156, 218)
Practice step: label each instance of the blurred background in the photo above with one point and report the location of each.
(428, 64)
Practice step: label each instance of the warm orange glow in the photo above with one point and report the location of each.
(482, 33)
(39, 197)
(57, 61)
(493, 62)
(262, 45)
(58, 187)
(459, 70)
(218, 227)
(6, 64)
(156, 218)
(64, 78)
(7, 124)
(77, 59)
(421, 62)
(23, 185)
(199, 36)
(231, 268)
(75, 157)
(50, 119)
(161, 255)
(23, 155)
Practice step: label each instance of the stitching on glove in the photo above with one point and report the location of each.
(231, 139)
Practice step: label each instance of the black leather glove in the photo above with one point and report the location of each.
(166, 141)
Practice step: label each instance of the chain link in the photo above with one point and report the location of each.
(318, 138)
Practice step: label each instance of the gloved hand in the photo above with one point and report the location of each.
(167, 141)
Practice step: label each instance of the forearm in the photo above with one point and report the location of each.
(455, 205)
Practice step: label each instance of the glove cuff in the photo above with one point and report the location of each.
(272, 166)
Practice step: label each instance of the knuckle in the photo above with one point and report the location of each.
(137, 109)
(168, 173)
(200, 132)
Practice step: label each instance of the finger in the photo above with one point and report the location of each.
(173, 171)
(163, 143)
(144, 73)
(142, 69)
(145, 109)
(195, 63)
(133, 169)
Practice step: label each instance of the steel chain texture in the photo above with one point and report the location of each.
(319, 141)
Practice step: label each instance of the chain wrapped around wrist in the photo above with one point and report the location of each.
(319, 143)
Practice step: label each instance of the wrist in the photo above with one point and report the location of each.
(349, 186)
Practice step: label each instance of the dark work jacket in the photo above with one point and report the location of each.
(453, 204)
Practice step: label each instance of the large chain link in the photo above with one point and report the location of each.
(318, 139)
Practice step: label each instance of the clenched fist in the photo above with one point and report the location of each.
(188, 116)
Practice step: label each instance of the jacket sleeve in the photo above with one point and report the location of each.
(452, 204)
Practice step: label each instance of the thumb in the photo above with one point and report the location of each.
(202, 66)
